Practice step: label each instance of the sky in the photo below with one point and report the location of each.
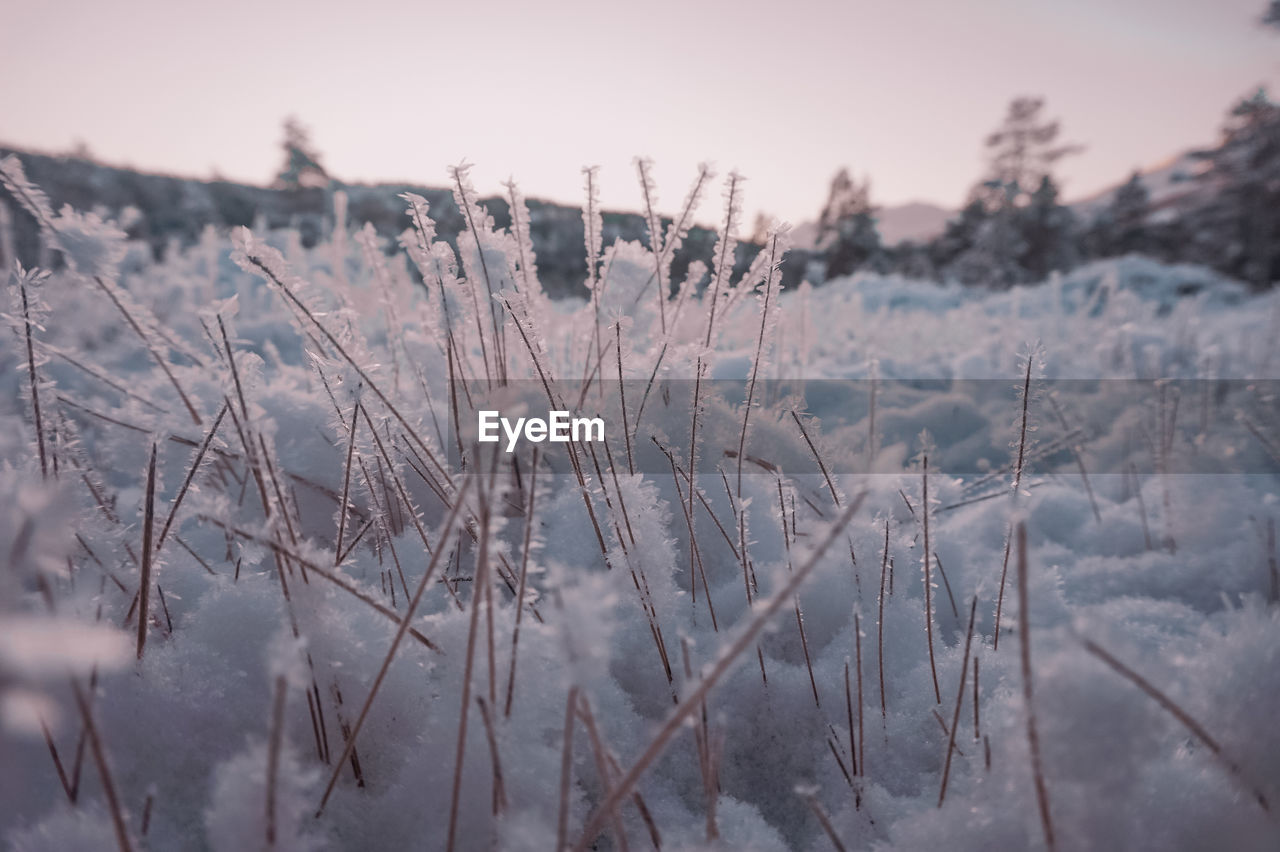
(902, 92)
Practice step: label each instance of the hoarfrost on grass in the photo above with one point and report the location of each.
(624, 569)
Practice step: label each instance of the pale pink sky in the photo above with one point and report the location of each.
(786, 92)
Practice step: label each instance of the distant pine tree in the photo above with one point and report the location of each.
(960, 234)
(1271, 17)
(1122, 226)
(912, 260)
(302, 167)
(1013, 229)
(1020, 153)
(1129, 211)
(1048, 233)
(994, 257)
(1237, 229)
(847, 231)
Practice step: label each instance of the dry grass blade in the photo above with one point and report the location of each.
(100, 376)
(484, 267)
(693, 700)
(346, 481)
(720, 277)
(655, 836)
(499, 788)
(1142, 507)
(57, 762)
(817, 457)
(1197, 730)
(825, 821)
(603, 768)
(674, 234)
(395, 642)
(955, 716)
(655, 240)
(977, 729)
(38, 420)
(566, 769)
(804, 639)
(1033, 736)
(104, 769)
(191, 475)
(857, 657)
(884, 573)
(319, 571)
(695, 566)
(151, 348)
(928, 581)
(1004, 574)
(1022, 428)
(755, 362)
(274, 744)
(524, 574)
(144, 585)
(1078, 455)
(679, 472)
(477, 600)
(297, 303)
(946, 584)
(622, 399)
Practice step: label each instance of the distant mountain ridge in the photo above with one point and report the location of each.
(916, 220)
(919, 221)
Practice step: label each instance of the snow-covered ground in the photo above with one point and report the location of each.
(770, 663)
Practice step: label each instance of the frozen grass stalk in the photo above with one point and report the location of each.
(766, 298)
(477, 598)
(196, 461)
(1017, 482)
(691, 702)
(1197, 730)
(346, 482)
(928, 581)
(566, 768)
(955, 716)
(463, 192)
(405, 621)
(144, 584)
(1033, 736)
(655, 238)
(33, 378)
(274, 744)
(529, 519)
(109, 289)
(884, 572)
(724, 264)
(825, 821)
(105, 776)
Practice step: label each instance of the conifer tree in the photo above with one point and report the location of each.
(847, 228)
(1238, 224)
(302, 166)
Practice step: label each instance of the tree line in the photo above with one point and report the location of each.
(1014, 227)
